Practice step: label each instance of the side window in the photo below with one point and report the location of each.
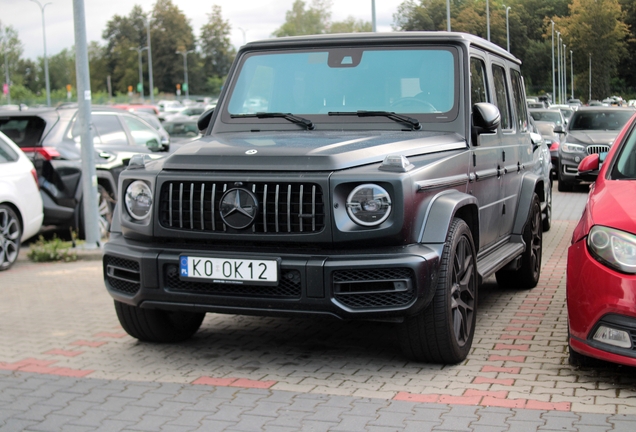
(478, 84)
(520, 105)
(140, 132)
(106, 129)
(6, 153)
(501, 93)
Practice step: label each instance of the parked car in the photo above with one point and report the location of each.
(549, 115)
(50, 138)
(20, 201)
(139, 108)
(388, 176)
(566, 111)
(551, 135)
(193, 112)
(591, 130)
(601, 265)
(182, 130)
(542, 164)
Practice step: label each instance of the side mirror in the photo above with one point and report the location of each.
(559, 129)
(589, 167)
(486, 119)
(154, 145)
(536, 139)
(204, 119)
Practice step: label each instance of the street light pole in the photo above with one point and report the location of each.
(244, 39)
(572, 74)
(508, 27)
(559, 64)
(141, 76)
(590, 96)
(152, 88)
(46, 60)
(448, 25)
(373, 24)
(553, 82)
(565, 73)
(185, 71)
(488, 19)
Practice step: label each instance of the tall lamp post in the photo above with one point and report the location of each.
(590, 96)
(46, 60)
(448, 25)
(185, 71)
(559, 63)
(373, 25)
(572, 74)
(488, 19)
(553, 82)
(565, 73)
(150, 82)
(507, 27)
(141, 76)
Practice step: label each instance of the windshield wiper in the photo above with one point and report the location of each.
(414, 123)
(287, 116)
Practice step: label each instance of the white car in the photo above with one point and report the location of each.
(20, 201)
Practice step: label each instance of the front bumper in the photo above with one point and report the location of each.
(383, 283)
(598, 295)
(569, 166)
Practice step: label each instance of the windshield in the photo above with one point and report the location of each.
(599, 120)
(416, 81)
(625, 166)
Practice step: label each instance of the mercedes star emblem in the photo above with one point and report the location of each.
(239, 208)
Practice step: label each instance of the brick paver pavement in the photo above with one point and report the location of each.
(66, 364)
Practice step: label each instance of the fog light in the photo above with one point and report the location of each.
(612, 336)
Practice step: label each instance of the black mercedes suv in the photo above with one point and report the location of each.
(362, 177)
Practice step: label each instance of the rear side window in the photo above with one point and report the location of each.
(478, 83)
(6, 153)
(109, 129)
(141, 133)
(520, 106)
(501, 93)
(24, 131)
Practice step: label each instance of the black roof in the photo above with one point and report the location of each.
(414, 37)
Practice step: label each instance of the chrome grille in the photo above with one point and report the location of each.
(597, 149)
(290, 208)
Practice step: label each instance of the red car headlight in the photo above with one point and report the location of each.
(614, 248)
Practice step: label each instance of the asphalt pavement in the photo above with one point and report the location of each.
(67, 365)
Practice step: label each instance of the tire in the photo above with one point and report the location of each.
(527, 276)
(154, 325)
(547, 222)
(104, 214)
(443, 332)
(10, 237)
(563, 186)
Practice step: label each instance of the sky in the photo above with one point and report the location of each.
(250, 19)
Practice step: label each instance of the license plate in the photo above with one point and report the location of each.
(229, 270)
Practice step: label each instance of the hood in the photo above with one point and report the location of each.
(306, 150)
(613, 205)
(592, 137)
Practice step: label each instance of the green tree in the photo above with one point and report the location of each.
(627, 68)
(427, 15)
(123, 35)
(350, 25)
(10, 53)
(216, 50)
(596, 27)
(61, 70)
(170, 32)
(302, 21)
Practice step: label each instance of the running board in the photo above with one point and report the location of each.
(498, 259)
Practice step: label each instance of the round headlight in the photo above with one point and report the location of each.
(369, 205)
(138, 200)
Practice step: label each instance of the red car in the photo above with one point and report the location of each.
(601, 268)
